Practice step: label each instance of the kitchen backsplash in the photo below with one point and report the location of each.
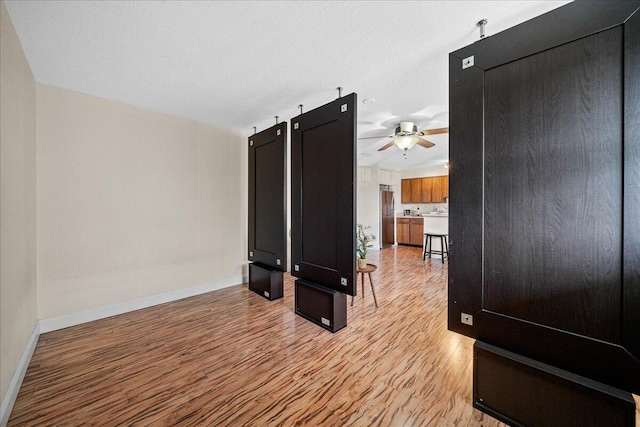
(424, 207)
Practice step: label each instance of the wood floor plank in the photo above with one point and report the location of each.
(233, 358)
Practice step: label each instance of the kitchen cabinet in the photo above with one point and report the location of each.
(410, 231)
(440, 189)
(406, 191)
(535, 290)
(416, 189)
(431, 189)
(416, 231)
(402, 231)
(427, 188)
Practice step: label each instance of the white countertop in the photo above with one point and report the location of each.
(445, 215)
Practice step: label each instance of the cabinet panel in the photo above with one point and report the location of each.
(427, 188)
(402, 230)
(440, 189)
(561, 398)
(416, 190)
(416, 231)
(323, 195)
(267, 191)
(541, 210)
(523, 181)
(406, 191)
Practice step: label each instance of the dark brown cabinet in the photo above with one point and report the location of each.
(323, 195)
(267, 219)
(545, 213)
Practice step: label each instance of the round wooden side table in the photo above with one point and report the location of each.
(370, 268)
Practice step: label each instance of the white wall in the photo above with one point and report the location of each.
(18, 304)
(133, 203)
(368, 201)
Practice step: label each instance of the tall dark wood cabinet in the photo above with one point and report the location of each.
(268, 211)
(323, 210)
(545, 210)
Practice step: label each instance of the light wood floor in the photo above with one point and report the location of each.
(232, 358)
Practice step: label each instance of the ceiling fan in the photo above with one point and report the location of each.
(407, 135)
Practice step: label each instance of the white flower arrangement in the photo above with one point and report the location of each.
(363, 241)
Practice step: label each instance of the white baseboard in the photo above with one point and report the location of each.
(60, 322)
(16, 381)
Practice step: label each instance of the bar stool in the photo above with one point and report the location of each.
(444, 248)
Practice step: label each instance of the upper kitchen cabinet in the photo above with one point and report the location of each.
(406, 191)
(416, 189)
(440, 189)
(432, 189)
(427, 188)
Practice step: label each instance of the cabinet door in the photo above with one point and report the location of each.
(427, 188)
(445, 180)
(268, 197)
(440, 189)
(323, 195)
(416, 232)
(402, 229)
(416, 190)
(406, 191)
(545, 212)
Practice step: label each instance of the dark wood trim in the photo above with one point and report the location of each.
(631, 200)
(465, 200)
(562, 25)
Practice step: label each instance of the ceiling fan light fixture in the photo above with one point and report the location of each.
(406, 142)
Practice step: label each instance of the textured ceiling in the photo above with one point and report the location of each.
(237, 64)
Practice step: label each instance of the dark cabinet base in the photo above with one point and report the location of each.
(322, 306)
(524, 392)
(265, 281)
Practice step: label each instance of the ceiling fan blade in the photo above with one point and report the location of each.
(424, 143)
(376, 137)
(391, 144)
(434, 131)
